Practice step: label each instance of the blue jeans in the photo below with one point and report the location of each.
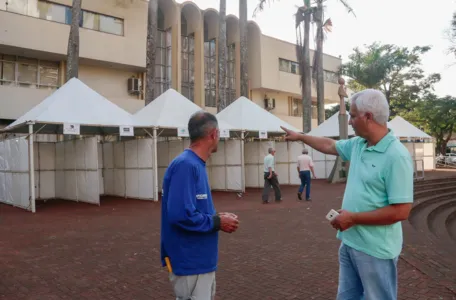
(305, 182)
(362, 276)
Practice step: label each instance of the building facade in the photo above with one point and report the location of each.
(34, 38)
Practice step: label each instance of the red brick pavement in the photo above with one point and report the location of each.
(281, 251)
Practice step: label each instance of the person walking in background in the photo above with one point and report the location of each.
(270, 177)
(305, 167)
(378, 196)
(189, 222)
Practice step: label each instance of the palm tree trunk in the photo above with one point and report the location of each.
(304, 63)
(221, 103)
(319, 64)
(152, 15)
(244, 48)
(72, 67)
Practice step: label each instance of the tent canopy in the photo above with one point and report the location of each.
(243, 114)
(399, 126)
(402, 128)
(170, 110)
(76, 103)
(330, 128)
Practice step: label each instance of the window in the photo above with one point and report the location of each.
(27, 72)
(188, 66)
(210, 65)
(288, 66)
(296, 108)
(330, 76)
(163, 62)
(62, 14)
(231, 74)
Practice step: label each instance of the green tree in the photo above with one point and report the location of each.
(437, 116)
(335, 109)
(394, 70)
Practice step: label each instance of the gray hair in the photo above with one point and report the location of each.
(270, 150)
(200, 124)
(305, 151)
(373, 101)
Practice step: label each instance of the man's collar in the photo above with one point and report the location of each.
(384, 143)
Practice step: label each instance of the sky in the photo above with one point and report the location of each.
(405, 23)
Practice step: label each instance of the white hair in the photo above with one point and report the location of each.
(373, 101)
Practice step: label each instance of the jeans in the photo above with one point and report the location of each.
(305, 182)
(362, 276)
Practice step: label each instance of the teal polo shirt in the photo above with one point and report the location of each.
(379, 175)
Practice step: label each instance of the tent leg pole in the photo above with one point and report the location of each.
(155, 166)
(31, 169)
(242, 162)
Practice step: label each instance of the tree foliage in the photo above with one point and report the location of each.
(394, 70)
(437, 116)
(335, 109)
(452, 35)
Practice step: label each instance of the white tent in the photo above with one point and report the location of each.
(245, 168)
(67, 169)
(402, 128)
(245, 115)
(330, 127)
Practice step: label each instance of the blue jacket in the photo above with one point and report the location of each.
(189, 225)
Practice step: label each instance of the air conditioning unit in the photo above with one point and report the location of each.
(134, 86)
(269, 103)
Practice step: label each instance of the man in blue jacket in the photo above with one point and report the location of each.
(189, 222)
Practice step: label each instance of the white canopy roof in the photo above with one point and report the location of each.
(330, 127)
(75, 102)
(169, 110)
(402, 128)
(243, 114)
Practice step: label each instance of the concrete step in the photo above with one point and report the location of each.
(451, 225)
(434, 192)
(432, 185)
(423, 206)
(437, 219)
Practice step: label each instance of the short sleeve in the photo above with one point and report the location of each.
(344, 148)
(399, 180)
(311, 163)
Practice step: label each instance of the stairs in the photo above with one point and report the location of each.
(430, 233)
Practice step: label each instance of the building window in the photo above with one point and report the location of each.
(163, 62)
(62, 14)
(288, 66)
(331, 76)
(188, 66)
(296, 108)
(210, 65)
(27, 72)
(231, 74)
(293, 68)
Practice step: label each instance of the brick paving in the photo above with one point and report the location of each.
(281, 251)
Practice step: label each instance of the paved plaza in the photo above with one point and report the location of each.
(281, 251)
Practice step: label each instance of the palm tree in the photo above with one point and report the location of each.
(72, 67)
(317, 71)
(221, 104)
(303, 20)
(244, 48)
(152, 16)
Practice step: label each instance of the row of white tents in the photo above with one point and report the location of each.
(77, 145)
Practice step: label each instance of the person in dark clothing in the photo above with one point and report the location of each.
(189, 221)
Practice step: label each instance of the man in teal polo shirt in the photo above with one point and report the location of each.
(378, 196)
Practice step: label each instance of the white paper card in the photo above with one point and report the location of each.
(70, 128)
(126, 131)
(224, 133)
(182, 131)
(263, 134)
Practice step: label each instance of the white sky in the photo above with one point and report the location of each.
(402, 22)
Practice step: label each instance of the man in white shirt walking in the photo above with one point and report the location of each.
(270, 178)
(305, 167)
